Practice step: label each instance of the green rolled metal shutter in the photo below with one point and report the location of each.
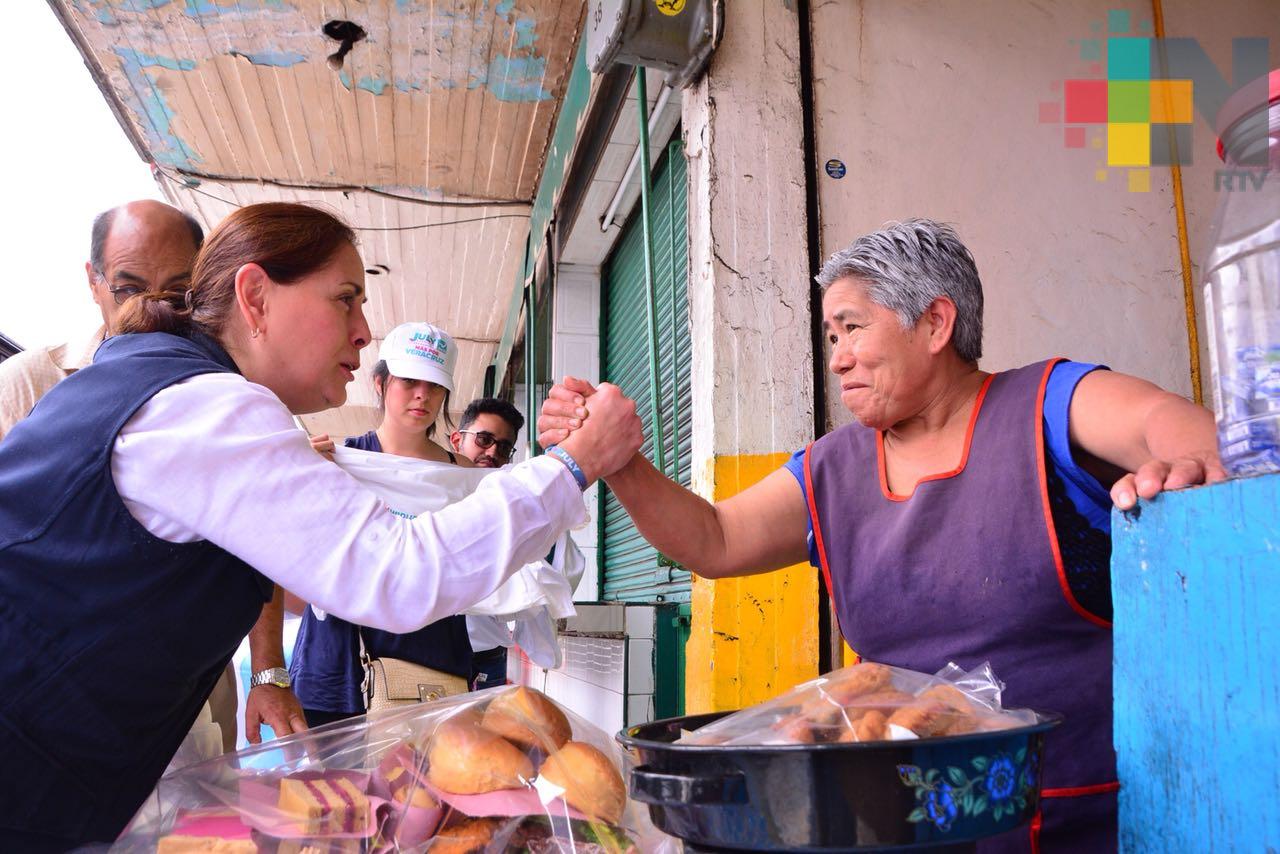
(633, 570)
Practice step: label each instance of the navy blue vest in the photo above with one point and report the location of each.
(112, 638)
(325, 667)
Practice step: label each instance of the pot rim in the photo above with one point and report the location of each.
(628, 739)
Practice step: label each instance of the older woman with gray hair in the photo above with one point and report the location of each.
(965, 516)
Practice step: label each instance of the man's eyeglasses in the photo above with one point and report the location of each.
(122, 293)
(487, 440)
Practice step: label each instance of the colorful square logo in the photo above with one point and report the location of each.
(1143, 120)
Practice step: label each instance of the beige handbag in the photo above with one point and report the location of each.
(391, 682)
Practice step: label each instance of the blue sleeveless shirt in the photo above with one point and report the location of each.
(113, 638)
(325, 668)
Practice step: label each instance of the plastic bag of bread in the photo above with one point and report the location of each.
(499, 770)
(871, 702)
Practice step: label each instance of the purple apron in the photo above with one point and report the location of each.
(968, 569)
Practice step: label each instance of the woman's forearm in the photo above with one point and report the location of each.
(680, 524)
(762, 528)
(1175, 427)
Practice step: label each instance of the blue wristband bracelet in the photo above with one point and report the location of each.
(570, 463)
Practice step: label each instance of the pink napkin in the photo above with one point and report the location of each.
(406, 824)
(506, 802)
(217, 822)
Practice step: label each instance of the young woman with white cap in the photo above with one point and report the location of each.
(414, 379)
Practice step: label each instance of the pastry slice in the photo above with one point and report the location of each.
(325, 804)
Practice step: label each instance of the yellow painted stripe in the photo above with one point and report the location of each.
(1180, 210)
(751, 638)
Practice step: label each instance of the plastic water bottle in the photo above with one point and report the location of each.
(1242, 281)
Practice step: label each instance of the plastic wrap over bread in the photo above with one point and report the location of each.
(505, 769)
(871, 702)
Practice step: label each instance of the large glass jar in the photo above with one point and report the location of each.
(1242, 281)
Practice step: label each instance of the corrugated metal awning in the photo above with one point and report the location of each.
(429, 135)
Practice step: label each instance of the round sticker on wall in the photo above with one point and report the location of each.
(670, 8)
(835, 168)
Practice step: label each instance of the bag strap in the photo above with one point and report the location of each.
(366, 665)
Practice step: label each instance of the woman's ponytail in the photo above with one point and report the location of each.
(157, 311)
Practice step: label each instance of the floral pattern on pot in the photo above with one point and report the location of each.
(1002, 783)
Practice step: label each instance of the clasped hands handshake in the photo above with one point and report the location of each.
(598, 427)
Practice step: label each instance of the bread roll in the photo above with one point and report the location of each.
(865, 678)
(965, 717)
(949, 696)
(873, 726)
(843, 688)
(469, 760)
(925, 717)
(467, 837)
(591, 784)
(795, 728)
(819, 711)
(527, 718)
(885, 702)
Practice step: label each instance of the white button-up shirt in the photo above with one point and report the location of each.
(27, 376)
(219, 458)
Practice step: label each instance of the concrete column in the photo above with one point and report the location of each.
(752, 352)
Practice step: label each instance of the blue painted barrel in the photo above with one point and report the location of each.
(1196, 584)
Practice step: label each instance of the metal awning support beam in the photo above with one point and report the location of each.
(642, 100)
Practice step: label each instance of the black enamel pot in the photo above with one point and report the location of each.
(930, 793)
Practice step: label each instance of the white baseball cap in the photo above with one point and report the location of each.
(420, 351)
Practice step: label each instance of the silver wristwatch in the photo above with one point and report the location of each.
(276, 676)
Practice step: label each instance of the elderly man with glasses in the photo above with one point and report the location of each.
(139, 246)
(487, 437)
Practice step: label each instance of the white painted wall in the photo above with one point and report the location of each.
(748, 265)
(607, 676)
(933, 107)
(575, 350)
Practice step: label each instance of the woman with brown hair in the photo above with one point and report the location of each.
(135, 556)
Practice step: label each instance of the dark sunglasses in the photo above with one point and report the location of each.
(487, 440)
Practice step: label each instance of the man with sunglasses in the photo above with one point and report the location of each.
(487, 437)
(488, 432)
